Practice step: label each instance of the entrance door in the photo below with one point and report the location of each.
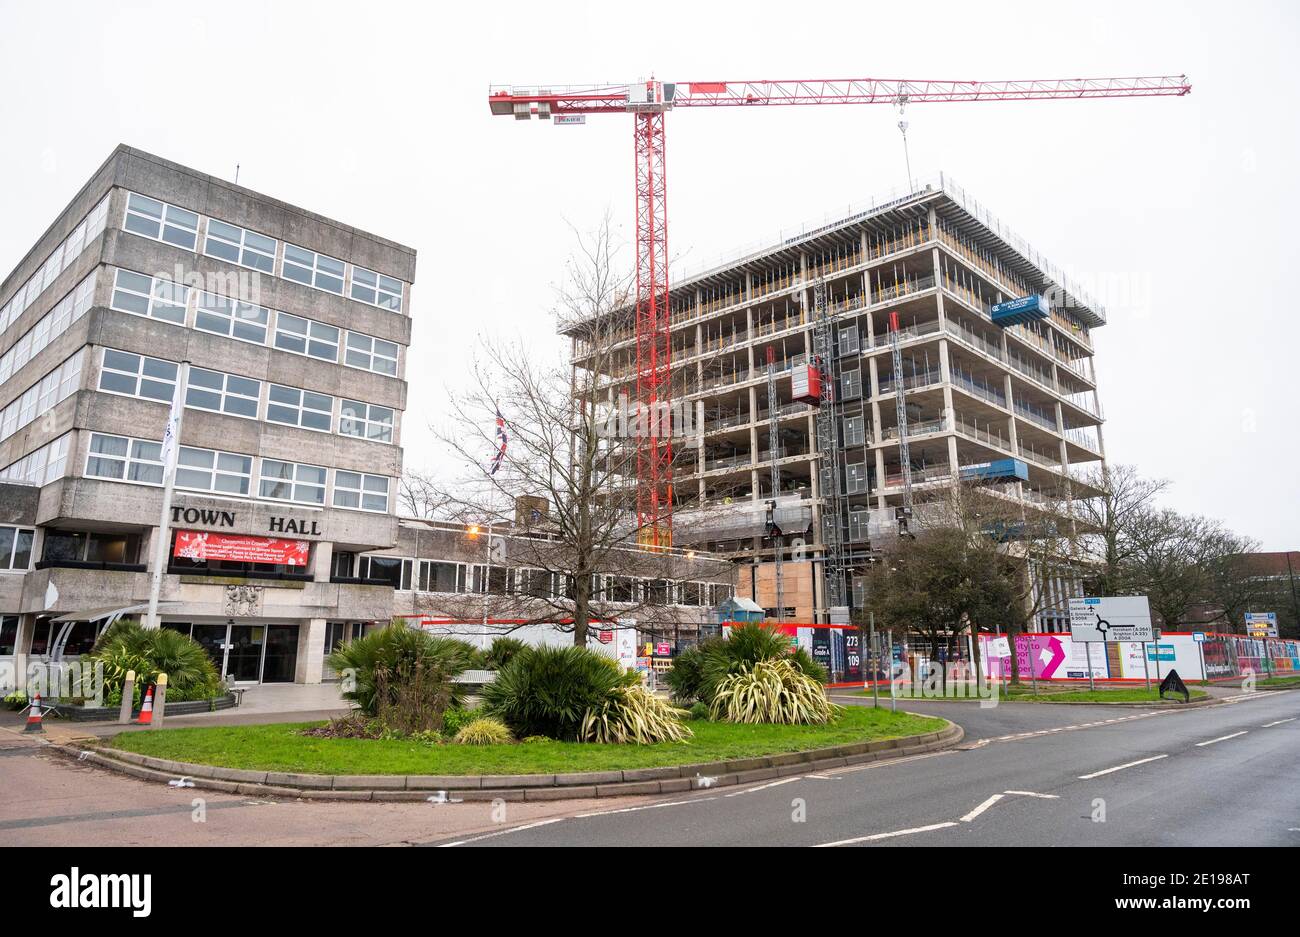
(244, 661)
(213, 638)
(281, 654)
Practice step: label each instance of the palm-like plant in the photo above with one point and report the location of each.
(126, 645)
(549, 690)
(384, 660)
(501, 652)
(772, 691)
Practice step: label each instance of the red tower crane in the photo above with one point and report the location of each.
(648, 102)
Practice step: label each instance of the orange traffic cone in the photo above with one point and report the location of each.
(146, 710)
(34, 716)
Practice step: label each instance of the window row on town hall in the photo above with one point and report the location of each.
(211, 471)
(132, 375)
(415, 575)
(171, 224)
(168, 301)
(139, 461)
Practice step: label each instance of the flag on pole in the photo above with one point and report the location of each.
(170, 444)
(502, 439)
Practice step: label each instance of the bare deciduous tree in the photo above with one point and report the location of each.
(572, 450)
(420, 495)
(1107, 519)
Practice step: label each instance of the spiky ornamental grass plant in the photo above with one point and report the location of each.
(772, 691)
(706, 666)
(484, 731)
(632, 714)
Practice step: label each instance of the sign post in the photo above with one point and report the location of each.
(1199, 638)
(1113, 619)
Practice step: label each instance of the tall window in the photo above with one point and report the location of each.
(376, 289)
(361, 491)
(208, 470)
(223, 393)
(122, 459)
(295, 407)
(160, 221)
(371, 354)
(291, 481)
(16, 548)
(305, 337)
(246, 248)
(137, 376)
(149, 296)
(313, 269)
(232, 317)
(366, 421)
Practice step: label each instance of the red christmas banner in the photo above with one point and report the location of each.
(201, 545)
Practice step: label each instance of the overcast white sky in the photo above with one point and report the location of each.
(375, 114)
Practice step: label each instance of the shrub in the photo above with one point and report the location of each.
(456, 718)
(484, 731)
(126, 645)
(700, 711)
(549, 690)
(536, 740)
(634, 714)
(396, 665)
(687, 672)
(772, 691)
(502, 652)
(746, 646)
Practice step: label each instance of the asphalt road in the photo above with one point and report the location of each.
(1026, 774)
(1080, 775)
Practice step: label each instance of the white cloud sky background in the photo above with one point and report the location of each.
(375, 114)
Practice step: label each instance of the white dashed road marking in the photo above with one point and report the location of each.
(1131, 764)
(981, 808)
(763, 787)
(513, 829)
(875, 836)
(1269, 725)
(670, 803)
(1221, 738)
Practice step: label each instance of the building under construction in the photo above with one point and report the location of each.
(789, 361)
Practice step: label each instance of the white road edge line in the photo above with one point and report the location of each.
(1269, 725)
(982, 807)
(1221, 738)
(513, 829)
(671, 803)
(875, 836)
(763, 787)
(1131, 764)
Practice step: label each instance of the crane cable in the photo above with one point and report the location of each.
(901, 101)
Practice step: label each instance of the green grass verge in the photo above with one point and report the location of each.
(1118, 695)
(1063, 695)
(280, 747)
(1278, 681)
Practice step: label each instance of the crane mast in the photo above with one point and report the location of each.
(900, 408)
(774, 451)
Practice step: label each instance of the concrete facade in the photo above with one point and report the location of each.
(309, 383)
